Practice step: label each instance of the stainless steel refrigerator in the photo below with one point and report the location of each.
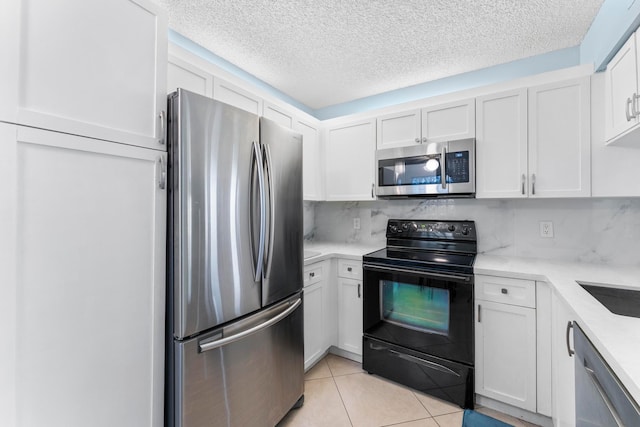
(234, 313)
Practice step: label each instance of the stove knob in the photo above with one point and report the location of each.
(393, 228)
(413, 226)
(452, 228)
(465, 231)
(405, 226)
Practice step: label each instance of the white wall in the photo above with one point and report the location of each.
(603, 230)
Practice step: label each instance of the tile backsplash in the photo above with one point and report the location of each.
(587, 230)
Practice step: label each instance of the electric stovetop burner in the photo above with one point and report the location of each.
(445, 246)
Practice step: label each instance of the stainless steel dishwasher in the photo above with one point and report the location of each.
(601, 399)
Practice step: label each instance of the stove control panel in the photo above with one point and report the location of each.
(427, 229)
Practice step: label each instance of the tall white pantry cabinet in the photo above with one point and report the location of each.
(82, 212)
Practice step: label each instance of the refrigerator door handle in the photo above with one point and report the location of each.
(257, 162)
(272, 216)
(216, 343)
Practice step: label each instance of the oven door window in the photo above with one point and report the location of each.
(421, 308)
(419, 170)
(428, 314)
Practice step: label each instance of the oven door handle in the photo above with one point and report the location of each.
(423, 362)
(411, 271)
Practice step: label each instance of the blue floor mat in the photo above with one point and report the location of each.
(476, 419)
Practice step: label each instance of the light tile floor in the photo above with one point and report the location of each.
(337, 392)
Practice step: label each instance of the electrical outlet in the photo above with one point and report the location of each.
(546, 229)
(356, 223)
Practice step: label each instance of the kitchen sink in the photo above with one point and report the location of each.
(309, 254)
(625, 302)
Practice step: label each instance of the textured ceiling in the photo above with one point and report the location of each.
(326, 52)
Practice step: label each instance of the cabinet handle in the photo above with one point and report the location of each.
(569, 326)
(424, 139)
(349, 269)
(479, 318)
(162, 127)
(358, 290)
(162, 183)
(312, 274)
(533, 184)
(372, 188)
(417, 140)
(504, 291)
(626, 109)
(634, 105)
(524, 179)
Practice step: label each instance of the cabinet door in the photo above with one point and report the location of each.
(94, 69)
(398, 129)
(278, 115)
(560, 139)
(621, 85)
(456, 120)
(562, 365)
(350, 315)
(181, 74)
(350, 161)
(312, 160)
(10, 54)
(231, 94)
(88, 253)
(501, 145)
(506, 353)
(314, 323)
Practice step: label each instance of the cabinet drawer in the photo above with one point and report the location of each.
(314, 273)
(506, 290)
(349, 269)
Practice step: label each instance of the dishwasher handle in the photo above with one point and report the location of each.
(216, 343)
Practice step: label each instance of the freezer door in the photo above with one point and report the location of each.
(213, 167)
(284, 250)
(249, 374)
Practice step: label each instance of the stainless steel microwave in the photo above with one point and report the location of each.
(445, 169)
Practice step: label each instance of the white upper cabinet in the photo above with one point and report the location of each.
(455, 120)
(312, 160)
(501, 145)
(560, 139)
(277, 114)
(350, 161)
(535, 142)
(444, 122)
(231, 94)
(94, 69)
(182, 74)
(399, 129)
(621, 91)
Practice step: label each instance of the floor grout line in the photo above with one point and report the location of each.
(341, 399)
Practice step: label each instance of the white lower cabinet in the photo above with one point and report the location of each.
(316, 311)
(562, 366)
(83, 280)
(350, 306)
(505, 336)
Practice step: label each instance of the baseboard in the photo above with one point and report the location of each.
(522, 414)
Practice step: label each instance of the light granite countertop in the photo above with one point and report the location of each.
(616, 337)
(320, 251)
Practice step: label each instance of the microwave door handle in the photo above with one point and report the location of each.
(443, 168)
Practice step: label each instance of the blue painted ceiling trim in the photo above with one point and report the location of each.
(610, 29)
(555, 60)
(187, 44)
